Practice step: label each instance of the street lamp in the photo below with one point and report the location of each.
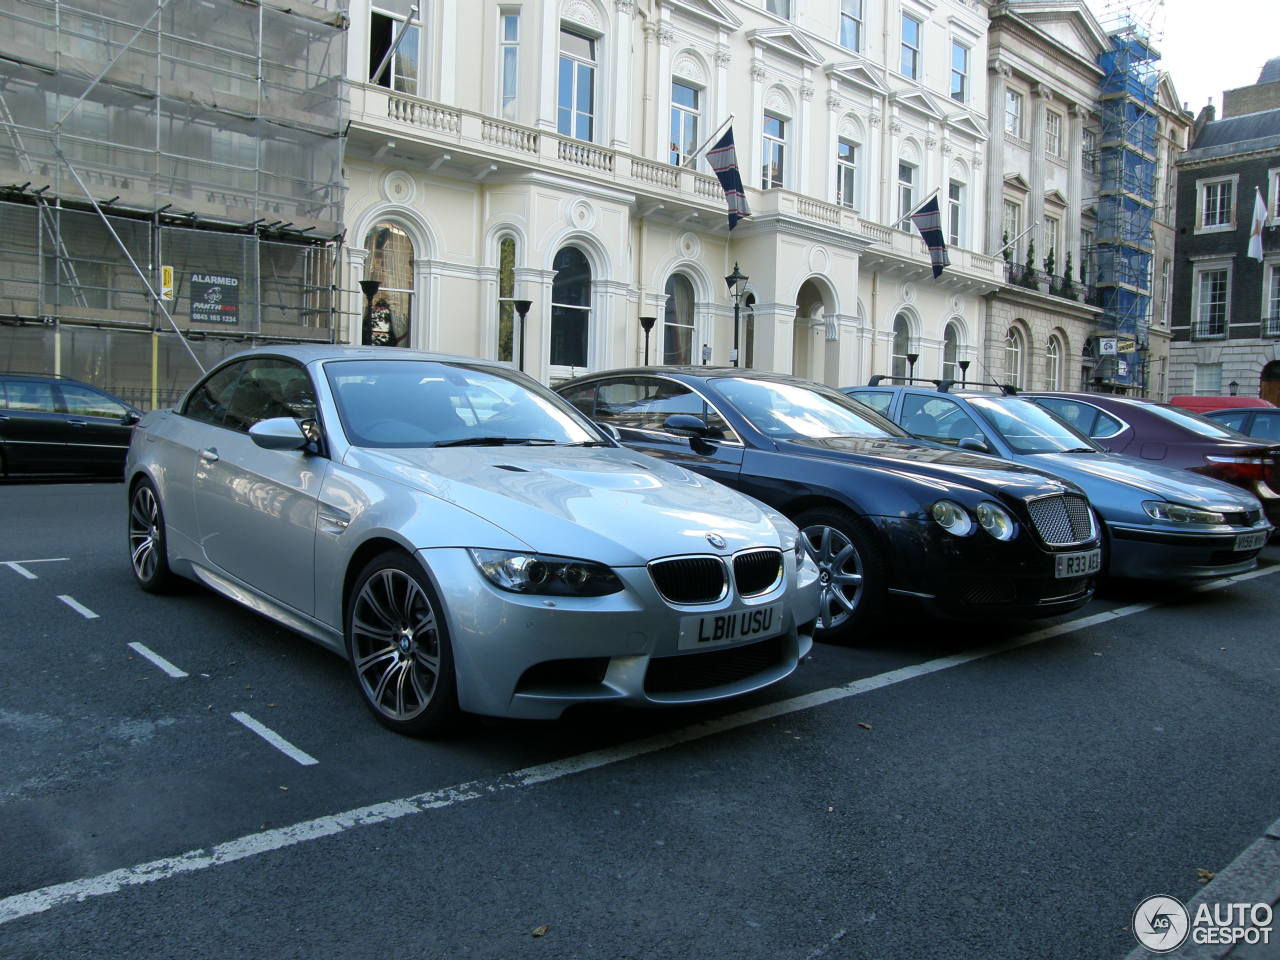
(646, 323)
(370, 289)
(964, 370)
(1233, 387)
(736, 282)
(522, 308)
(911, 366)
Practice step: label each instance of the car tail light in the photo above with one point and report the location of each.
(1245, 468)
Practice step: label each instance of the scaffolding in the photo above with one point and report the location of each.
(1126, 203)
(200, 139)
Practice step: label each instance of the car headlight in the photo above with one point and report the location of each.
(952, 517)
(539, 573)
(996, 521)
(1177, 513)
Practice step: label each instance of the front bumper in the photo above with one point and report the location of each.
(532, 656)
(1157, 554)
(979, 576)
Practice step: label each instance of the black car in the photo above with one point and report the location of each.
(56, 426)
(883, 514)
(1260, 422)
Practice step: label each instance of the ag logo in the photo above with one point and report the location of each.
(1161, 924)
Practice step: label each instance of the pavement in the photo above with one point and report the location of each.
(1253, 877)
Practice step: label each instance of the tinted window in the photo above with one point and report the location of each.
(792, 411)
(644, 403)
(1233, 420)
(1083, 417)
(210, 399)
(1265, 425)
(939, 418)
(31, 395)
(1193, 422)
(1029, 429)
(84, 402)
(876, 401)
(583, 398)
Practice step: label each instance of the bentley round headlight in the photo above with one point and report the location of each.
(996, 521)
(952, 517)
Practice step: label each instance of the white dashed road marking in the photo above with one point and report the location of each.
(277, 741)
(159, 661)
(79, 608)
(37, 901)
(18, 566)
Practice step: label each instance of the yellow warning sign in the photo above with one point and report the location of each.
(166, 283)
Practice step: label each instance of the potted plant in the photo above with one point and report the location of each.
(1049, 264)
(1029, 271)
(1068, 288)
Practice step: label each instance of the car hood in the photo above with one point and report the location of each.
(930, 462)
(611, 505)
(1095, 471)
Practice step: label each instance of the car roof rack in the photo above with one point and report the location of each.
(944, 386)
(875, 381)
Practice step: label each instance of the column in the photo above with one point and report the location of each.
(753, 155)
(425, 334)
(1040, 97)
(1075, 180)
(622, 95)
(997, 88)
(805, 138)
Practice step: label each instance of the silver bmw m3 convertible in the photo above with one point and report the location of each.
(464, 537)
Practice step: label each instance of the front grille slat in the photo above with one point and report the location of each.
(714, 668)
(757, 571)
(690, 579)
(1062, 519)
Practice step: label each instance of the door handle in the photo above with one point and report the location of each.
(210, 455)
(76, 423)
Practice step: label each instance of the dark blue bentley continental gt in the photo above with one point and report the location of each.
(883, 514)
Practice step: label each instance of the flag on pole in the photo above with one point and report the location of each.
(928, 220)
(1259, 221)
(724, 161)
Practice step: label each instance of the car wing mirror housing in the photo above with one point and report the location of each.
(131, 418)
(279, 433)
(974, 444)
(609, 430)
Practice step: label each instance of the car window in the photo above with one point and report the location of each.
(1265, 425)
(425, 403)
(644, 403)
(260, 393)
(1233, 420)
(30, 395)
(792, 411)
(1084, 417)
(877, 401)
(84, 402)
(209, 400)
(939, 418)
(584, 398)
(1028, 428)
(1193, 422)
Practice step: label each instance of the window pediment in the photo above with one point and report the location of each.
(859, 73)
(919, 102)
(708, 11)
(1016, 182)
(788, 43)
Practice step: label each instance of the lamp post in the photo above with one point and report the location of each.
(646, 323)
(736, 281)
(370, 290)
(1233, 387)
(522, 308)
(964, 370)
(911, 366)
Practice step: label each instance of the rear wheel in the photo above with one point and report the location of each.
(850, 572)
(148, 552)
(398, 647)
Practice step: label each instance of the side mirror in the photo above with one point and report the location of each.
(609, 430)
(131, 418)
(685, 423)
(974, 444)
(279, 433)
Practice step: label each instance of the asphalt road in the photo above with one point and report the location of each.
(984, 791)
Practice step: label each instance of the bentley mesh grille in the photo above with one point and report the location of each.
(757, 571)
(689, 579)
(1062, 519)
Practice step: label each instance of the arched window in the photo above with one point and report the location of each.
(506, 299)
(677, 325)
(950, 352)
(570, 308)
(389, 317)
(901, 346)
(1014, 351)
(1053, 364)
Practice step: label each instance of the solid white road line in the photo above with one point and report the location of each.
(79, 608)
(37, 901)
(17, 565)
(159, 661)
(277, 741)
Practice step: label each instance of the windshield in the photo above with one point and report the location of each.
(789, 411)
(1029, 428)
(429, 403)
(1194, 422)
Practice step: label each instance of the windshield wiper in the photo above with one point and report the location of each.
(590, 443)
(497, 442)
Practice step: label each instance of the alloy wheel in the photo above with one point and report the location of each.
(144, 533)
(395, 644)
(840, 574)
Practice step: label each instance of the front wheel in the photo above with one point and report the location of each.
(850, 572)
(148, 554)
(398, 647)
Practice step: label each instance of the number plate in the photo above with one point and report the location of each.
(719, 629)
(1251, 541)
(1077, 564)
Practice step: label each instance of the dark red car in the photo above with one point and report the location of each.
(1175, 437)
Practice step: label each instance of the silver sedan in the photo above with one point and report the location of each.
(464, 537)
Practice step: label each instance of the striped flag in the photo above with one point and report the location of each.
(724, 161)
(928, 220)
